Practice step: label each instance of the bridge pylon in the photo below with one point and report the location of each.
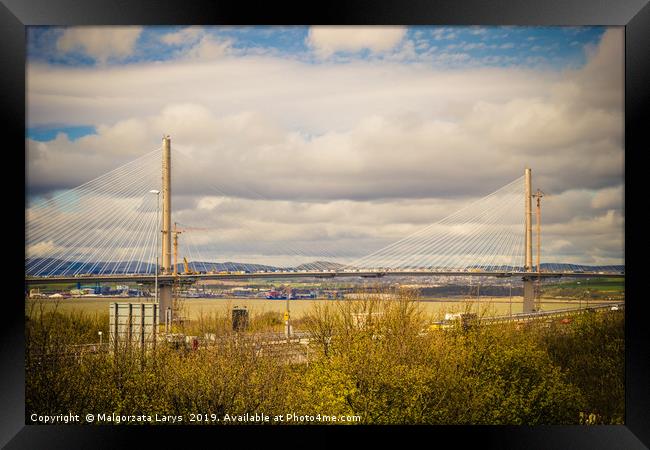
(529, 288)
(165, 290)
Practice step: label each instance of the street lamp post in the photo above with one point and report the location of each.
(288, 322)
(154, 191)
(580, 295)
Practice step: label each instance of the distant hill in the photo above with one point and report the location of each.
(557, 267)
(61, 267)
(50, 266)
(316, 265)
(229, 266)
(582, 267)
(64, 267)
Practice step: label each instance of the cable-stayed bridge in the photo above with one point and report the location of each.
(118, 227)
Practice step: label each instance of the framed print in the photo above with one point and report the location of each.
(253, 215)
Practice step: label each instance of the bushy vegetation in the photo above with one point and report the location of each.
(591, 352)
(376, 358)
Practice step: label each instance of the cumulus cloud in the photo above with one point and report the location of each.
(209, 48)
(197, 44)
(184, 36)
(443, 33)
(100, 43)
(608, 198)
(43, 248)
(602, 235)
(362, 152)
(327, 40)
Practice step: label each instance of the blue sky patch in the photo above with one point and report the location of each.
(444, 46)
(48, 133)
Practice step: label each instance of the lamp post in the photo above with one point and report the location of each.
(287, 314)
(580, 295)
(154, 191)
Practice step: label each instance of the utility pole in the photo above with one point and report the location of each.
(287, 315)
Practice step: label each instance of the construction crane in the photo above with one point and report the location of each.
(538, 196)
(538, 288)
(175, 232)
(187, 267)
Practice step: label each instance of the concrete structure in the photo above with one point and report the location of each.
(529, 289)
(165, 291)
(529, 220)
(189, 279)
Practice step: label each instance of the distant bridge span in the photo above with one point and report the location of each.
(86, 235)
(190, 278)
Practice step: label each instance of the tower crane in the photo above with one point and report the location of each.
(538, 196)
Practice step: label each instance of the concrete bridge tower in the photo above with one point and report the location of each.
(165, 304)
(529, 289)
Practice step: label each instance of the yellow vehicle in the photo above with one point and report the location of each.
(187, 267)
(442, 325)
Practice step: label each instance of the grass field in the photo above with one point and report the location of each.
(600, 284)
(599, 288)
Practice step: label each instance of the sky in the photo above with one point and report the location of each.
(349, 134)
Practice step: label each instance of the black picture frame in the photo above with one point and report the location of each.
(15, 15)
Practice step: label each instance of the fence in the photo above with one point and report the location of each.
(133, 324)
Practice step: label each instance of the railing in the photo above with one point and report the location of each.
(366, 273)
(72, 351)
(519, 317)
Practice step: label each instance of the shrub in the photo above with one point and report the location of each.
(372, 357)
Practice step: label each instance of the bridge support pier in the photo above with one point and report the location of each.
(164, 302)
(529, 296)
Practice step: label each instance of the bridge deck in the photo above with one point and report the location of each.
(184, 278)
